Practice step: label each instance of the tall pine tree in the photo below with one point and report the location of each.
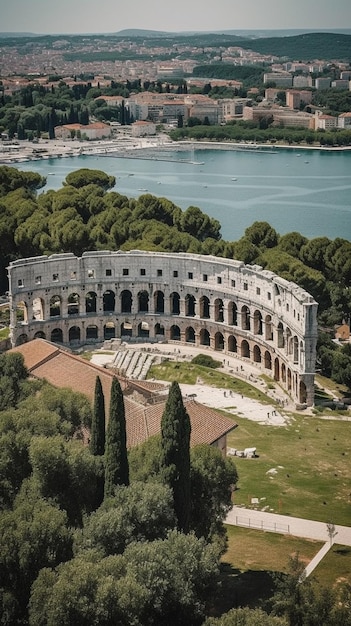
(116, 459)
(175, 454)
(97, 436)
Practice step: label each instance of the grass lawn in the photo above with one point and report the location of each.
(190, 374)
(310, 456)
(253, 557)
(310, 459)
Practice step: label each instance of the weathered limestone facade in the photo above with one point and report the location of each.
(203, 300)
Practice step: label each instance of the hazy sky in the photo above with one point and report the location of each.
(106, 16)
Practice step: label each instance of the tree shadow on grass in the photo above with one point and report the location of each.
(249, 588)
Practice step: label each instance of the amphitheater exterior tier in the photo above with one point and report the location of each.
(153, 296)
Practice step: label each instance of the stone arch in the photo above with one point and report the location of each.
(245, 349)
(245, 318)
(126, 329)
(289, 346)
(204, 304)
(90, 302)
(74, 334)
(190, 302)
(143, 329)
(143, 302)
(109, 301)
(73, 304)
(126, 301)
(23, 338)
(56, 335)
(295, 347)
(232, 314)
(276, 369)
(91, 332)
(159, 302)
(159, 330)
(190, 335)
(38, 309)
(109, 330)
(280, 332)
(257, 354)
(267, 360)
(174, 303)
(232, 344)
(204, 336)
(257, 322)
(55, 306)
(218, 310)
(289, 378)
(40, 335)
(268, 328)
(283, 373)
(175, 333)
(302, 392)
(219, 341)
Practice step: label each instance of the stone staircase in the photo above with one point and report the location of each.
(133, 364)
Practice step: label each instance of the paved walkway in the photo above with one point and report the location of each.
(296, 526)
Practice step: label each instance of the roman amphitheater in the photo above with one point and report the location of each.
(205, 301)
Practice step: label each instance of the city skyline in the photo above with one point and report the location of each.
(85, 16)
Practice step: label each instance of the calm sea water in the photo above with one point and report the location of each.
(308, 191)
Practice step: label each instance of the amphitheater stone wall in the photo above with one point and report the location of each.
(151, 296)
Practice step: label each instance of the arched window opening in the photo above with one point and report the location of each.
(267, 360)
(204, 304)
(126, 329)
(219, 341)
(175, 333)
(143, 329)
(21, 339)
(232, 314)
(289, 379)
(38, 309)
(159, 330)
(190, 335)
(175, 303)
(74, 334)
(245, 318)
(276, 369)
(40, 335)
(219, 310)
(126, 301)
(245, 349)
(302, 393)
(159, 302)
(73, 305)
(91, 332)
(55, 306)
(280, 331)
(90, 302)
(56, 335)
(143, 302)
(295, 342)
(109, 301)
(205, 339)
(257, 354)
(258, 323)
(190, 305)
(268, 328)
(232, 344)
(283, 373)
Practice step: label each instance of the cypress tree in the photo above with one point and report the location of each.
(175, 454)
(116, 459)
(97, 437)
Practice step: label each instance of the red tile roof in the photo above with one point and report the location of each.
(63, 369)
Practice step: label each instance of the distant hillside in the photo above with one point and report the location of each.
(306, 47)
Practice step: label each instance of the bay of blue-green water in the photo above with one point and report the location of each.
(308, 191)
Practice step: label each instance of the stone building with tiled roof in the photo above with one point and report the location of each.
(143, 419)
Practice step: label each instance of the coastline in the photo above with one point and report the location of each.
(27, 151)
